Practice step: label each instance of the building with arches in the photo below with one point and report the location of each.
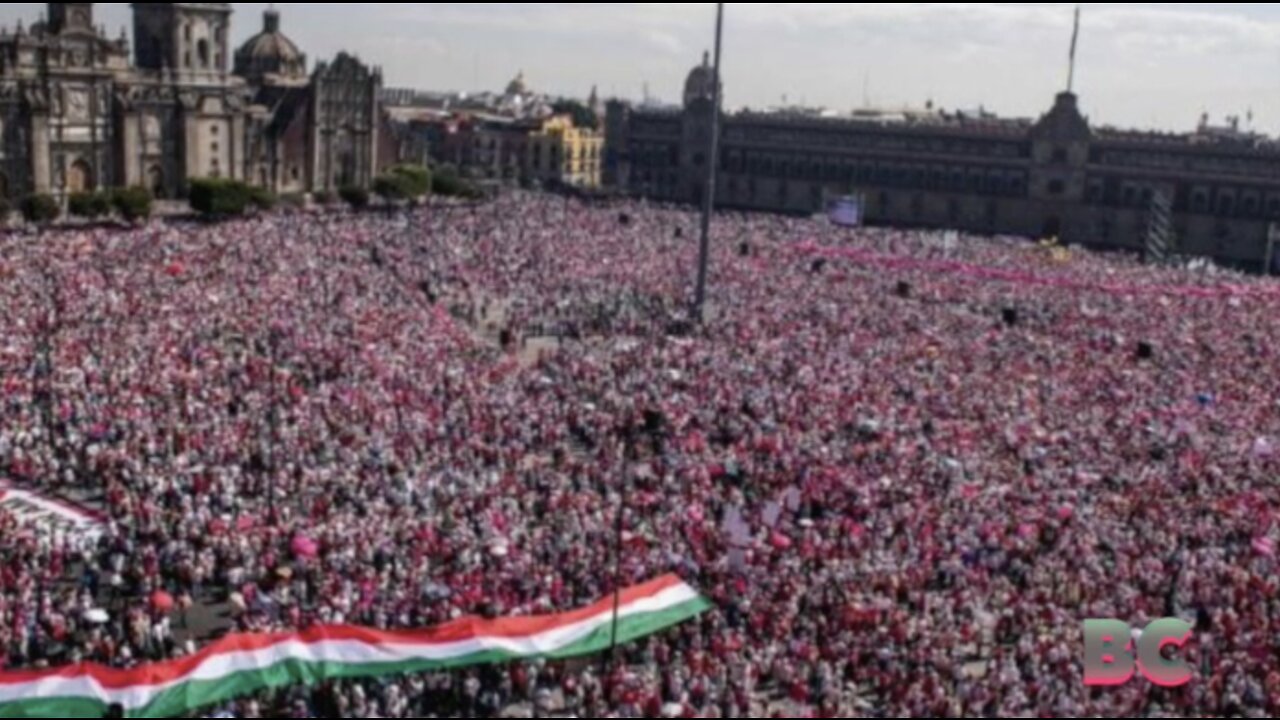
(1054, 176)
(80, 110)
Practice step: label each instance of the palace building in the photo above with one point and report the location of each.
(80, 110)
(1055, 176)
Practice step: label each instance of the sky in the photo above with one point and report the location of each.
(1157, 65)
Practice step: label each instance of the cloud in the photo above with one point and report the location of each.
(1138, 61)
(664, 42)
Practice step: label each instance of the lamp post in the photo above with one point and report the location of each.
(709, 195)
(629, 440)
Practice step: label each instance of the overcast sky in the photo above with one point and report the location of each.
(1141, 64)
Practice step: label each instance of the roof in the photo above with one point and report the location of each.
(271, 52)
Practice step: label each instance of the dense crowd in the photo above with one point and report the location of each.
(905, 466)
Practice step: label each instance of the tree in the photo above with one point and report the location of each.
(583, 116)
(392, 187)
(414, 178)
(262, 198)
(90, 205)
(219, 198)
(355, 196)
(40, 209)
(447, 182)
(133, 204)
(403, 182)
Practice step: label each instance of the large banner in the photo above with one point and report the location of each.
(240, 665)
(846, 211)
(51, 519)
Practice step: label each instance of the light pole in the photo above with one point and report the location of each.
(629, 457)
(1273, 237)
(709, 196)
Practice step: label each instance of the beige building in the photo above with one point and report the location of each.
(559, 152)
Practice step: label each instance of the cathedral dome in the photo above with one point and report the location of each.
(701, 82)
(517, 87)
(270, 53)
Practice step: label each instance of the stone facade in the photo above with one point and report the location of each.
(561, 153)
(1056, 176)
(78, 113)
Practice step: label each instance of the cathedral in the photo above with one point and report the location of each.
(80, 110)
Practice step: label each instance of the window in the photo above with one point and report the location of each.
(1057, 187)
(1060, 155)
(202, 49)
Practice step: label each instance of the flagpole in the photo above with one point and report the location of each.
(713, 161)
(629, 442)
(1075, 43)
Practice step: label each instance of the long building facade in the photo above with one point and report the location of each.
(1056, 176)
(80, 110)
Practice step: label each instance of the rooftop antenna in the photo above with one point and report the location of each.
(1075, 43)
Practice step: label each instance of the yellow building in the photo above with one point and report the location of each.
(559, 152)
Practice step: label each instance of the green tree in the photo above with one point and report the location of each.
(219, 198)
(447, 182)
(90, 205)
(416, 179)
(392, 187)
(355, 196)
(133, 203)
(262, 198)
(40, 209)
(583, 116)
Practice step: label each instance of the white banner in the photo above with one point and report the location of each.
(51, 519)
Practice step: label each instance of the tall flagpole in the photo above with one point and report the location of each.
(713, 162)
(1075, 43)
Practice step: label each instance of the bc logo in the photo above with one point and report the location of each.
(1113, 655)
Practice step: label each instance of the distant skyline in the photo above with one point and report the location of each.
(1157, 65)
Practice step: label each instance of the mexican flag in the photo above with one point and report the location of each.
(239, 665)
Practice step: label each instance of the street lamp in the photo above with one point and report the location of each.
(709, 196)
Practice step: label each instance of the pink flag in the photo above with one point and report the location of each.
(1265, 547)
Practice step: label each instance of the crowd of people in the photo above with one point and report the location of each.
(904, 466)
